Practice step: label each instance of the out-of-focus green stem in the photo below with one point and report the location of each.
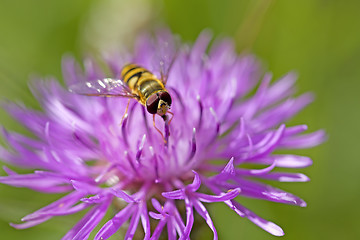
(248, 31)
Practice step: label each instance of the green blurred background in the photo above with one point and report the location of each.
(320, 39)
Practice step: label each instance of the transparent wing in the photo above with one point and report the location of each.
(106, 87)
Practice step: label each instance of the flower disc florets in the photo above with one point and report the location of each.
(87, 147)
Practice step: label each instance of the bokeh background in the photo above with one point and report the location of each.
(320, 39)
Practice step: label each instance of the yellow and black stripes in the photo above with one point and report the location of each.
(141, 81)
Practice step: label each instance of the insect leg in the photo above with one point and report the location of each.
(162, 135)
(172, 116)
(126, 110)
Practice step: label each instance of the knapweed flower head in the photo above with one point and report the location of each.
(87, 149)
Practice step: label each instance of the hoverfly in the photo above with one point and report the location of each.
(137, 83)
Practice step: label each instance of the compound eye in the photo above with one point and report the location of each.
(165, 96)
(152, 104)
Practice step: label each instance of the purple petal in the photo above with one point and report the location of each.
(85, 187)
(266, 225)
(229, 168)
(200, 208)
(226, 173)
(295, 130)
(92, 70)
(234, 208)
(156, 205)
(66, 211)
(115, 223)
(145, 220)
(304, 141)
(57, 206)
(266, 192)
(195, 185)
(94, 199)
(282, 112)
(271, 144)
(29, 224)
(178, 221)
(171, 230)
(214, 187)
(255, 172)
(71, 71)
(286, 161)
(254, 104)
(77, 208)
(156, 215)
(280, 89)
(189, 220)
(133, 224)
(36, 182)
(286, 177)
(35, 121)
(200, 45)
(220, 198)
(159, 227)
(9, 171)
(177, 194)
(18, 138)
(84, 227)
(124, 196)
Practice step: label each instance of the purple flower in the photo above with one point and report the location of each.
(84, 149)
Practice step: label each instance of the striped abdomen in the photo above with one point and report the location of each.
(141, 81)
